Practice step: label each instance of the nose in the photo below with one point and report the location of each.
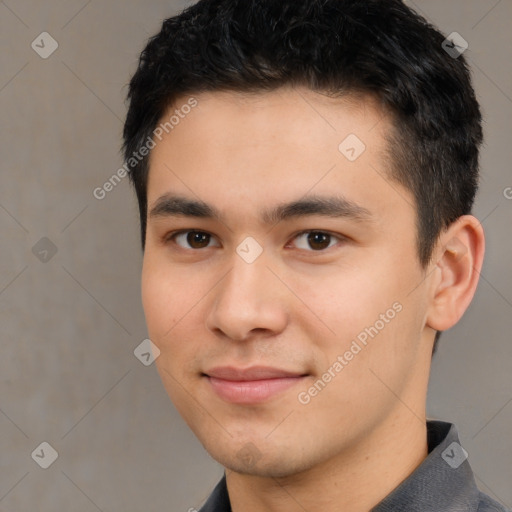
(249, 299)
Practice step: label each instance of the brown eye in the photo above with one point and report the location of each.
(315, 240)
(192, 239)
(198, 240)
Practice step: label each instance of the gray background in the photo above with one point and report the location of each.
(69, 325)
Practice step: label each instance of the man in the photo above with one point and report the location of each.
(305, 171)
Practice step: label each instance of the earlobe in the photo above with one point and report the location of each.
(459, 258)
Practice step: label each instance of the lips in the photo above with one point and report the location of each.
(250, 385)
(253, 373)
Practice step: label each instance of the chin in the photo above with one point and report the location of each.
(268, 469)
(248, 459)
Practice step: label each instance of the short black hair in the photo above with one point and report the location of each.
(337, 47)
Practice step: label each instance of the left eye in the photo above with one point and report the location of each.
(317, 240)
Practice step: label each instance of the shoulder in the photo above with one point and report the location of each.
(487, 504)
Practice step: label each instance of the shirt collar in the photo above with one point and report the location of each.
(443, 481)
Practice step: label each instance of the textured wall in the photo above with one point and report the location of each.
(70, 307)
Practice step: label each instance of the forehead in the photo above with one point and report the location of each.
(254, 148)
(304, 113)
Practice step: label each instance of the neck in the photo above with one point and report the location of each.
(355, 480)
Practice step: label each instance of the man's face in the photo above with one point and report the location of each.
(282, 359)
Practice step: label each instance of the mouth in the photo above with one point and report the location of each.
(251, 385)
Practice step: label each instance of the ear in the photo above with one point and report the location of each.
(458, 259)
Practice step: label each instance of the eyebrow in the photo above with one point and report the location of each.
(169, 205)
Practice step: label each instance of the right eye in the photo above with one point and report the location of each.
(195, 239)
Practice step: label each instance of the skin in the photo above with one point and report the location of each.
(297, 306)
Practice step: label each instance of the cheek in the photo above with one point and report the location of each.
(369, 311)
(165, 308)
(347, 300)
(174, 318)
(153, 299)
(162, 298)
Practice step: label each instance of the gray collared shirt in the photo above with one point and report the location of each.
(443, 482)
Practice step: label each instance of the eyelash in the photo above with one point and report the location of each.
(171, 237)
